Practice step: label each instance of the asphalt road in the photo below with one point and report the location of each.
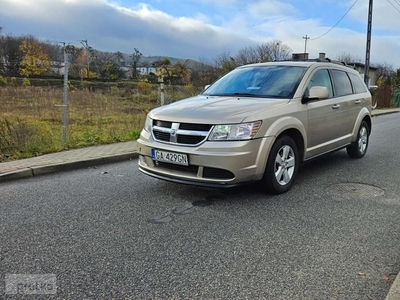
(111, 232)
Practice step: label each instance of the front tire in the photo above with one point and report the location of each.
(360, 146)
(282, 165)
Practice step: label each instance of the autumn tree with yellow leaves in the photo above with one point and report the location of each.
(34, 61)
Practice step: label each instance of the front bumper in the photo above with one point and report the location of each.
(211, 164)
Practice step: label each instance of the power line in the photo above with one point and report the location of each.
(397, 1)
(336, 22)
(394, 5)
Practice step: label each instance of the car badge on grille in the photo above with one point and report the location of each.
(173, 132)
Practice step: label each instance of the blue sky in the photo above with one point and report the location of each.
(206, 28)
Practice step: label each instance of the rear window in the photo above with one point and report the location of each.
(358, 84)
(342, 83)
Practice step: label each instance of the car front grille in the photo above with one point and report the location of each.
(189, 134)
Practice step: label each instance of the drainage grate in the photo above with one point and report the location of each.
(358, 190)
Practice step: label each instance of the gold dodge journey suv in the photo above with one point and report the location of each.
(259, 122)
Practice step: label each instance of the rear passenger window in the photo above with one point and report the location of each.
(358, 84)
(342, 83)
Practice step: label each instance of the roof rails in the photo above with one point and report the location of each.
(321, 58)
(329, 60)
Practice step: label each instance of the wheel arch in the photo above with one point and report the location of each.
(264, 152)
(298, 138)
(364, 115)
(368, 120)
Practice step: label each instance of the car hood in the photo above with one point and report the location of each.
(214, 109)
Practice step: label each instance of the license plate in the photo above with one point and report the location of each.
(170, 157)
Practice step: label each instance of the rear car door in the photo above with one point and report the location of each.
(350, 105)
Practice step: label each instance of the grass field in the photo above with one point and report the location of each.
(31, 118)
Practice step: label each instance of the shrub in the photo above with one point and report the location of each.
(145, 87)
(396, 97)
(26, 82)
(3, 81)
(13, 81)
(15, 135)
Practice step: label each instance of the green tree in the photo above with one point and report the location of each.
(163, 68)
(136, 56)
(396, 79)
(111, 71)
(34, 61)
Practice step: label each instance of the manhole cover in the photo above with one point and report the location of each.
(359, 190)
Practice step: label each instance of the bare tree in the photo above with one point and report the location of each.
(348, 58)
(225, 63)
(100, 59)
(203, 72)
(53, 50)
(12, 56)
(274, 51)
(247, 55)
(75, 66)
(384, 71)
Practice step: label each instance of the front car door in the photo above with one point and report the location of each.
(323, 117)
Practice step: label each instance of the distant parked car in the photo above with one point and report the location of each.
(259, 122)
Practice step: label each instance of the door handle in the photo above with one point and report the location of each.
(358, 101)
(336, 106)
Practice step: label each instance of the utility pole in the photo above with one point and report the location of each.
(65, 100)
(305, 43)
(368, 48)
(86, 46)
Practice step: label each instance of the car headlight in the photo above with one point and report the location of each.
(235, 132)
(148, 124)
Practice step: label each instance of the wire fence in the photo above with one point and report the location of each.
(31, 117)
(171, 93)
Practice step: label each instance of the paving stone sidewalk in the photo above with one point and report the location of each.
(67, 160)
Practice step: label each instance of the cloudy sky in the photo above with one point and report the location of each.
(205, 28)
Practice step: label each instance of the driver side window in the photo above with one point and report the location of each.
(321, 78)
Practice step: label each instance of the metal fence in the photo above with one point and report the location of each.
(171, 93)
(32, 118)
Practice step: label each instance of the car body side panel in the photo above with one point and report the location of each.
(323, 126)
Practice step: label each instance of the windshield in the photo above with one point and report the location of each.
(259, 81)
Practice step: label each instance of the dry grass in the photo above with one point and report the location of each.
(31, 118)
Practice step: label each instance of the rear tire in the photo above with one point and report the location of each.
(282, 166)
(360, 146)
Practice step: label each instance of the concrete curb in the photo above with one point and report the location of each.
(394, 292)
(67, 166)
(18, 174)
(384, 113)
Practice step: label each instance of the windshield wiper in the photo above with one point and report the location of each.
(243, 94)
(234, 94)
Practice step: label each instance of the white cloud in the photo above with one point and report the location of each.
(111, 26)
(270, 8)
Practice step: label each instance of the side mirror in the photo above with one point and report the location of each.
(207, 86)
(316, 93)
